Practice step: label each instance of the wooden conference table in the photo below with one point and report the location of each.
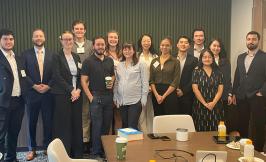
(144, 150)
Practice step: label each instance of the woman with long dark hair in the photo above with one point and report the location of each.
(146, 54)
(218, 50)
(207, 85)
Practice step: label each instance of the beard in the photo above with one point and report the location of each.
(100, 51)
(252, 46)
(38, 44)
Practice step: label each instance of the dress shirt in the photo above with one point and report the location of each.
(73, 70)
(132, 84)
(169, 74)
(182, 63)
(36, 52)
(197, 53)
(16, 90)
(249, 58)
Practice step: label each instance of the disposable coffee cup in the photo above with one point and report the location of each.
(242, 142)
(108, 81)
(181, 134)
(121, 148)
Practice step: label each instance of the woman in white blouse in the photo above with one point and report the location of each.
(146, 54)
(131, 90)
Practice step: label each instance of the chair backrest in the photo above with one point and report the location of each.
(57, 152)
(169, 123)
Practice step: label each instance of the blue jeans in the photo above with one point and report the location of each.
(101, 113)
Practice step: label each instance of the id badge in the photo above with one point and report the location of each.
(23, 74)
(80, 50)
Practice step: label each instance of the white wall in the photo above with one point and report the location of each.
(241, 24)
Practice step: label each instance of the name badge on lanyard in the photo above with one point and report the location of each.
(80, 50)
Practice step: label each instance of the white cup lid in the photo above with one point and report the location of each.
(121, 140)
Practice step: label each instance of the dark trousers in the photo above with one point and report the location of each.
(101, 113)
(231, 116)
(130, 115)
(45, 105)
(185, 103)
(253, 107)
(168, 106)
(67, 124)
(10, 124)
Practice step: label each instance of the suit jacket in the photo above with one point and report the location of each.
(225, 68)
(7, 79)
(247, 84)
(33, 72)
(186, 76)
(62, 77)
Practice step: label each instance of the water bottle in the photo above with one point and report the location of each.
(249, 151)
(221, 129)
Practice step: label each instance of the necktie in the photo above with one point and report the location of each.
(40, 62)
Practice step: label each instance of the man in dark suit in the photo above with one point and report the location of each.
(187, 62)
(13, 84)
(39, 67)
(198, 45)
(249, 89)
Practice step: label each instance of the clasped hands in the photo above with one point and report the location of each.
(41, 88)
(75, 94)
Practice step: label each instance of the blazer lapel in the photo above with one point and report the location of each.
(253, 63)
(242, 64)
(5, 62)
(65, 62)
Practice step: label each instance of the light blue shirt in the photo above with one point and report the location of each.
(132, 84)
(36, 52)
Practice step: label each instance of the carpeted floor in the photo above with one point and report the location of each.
(41, 157)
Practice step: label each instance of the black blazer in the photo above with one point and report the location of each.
(186, 76)
(62, 78)
(225, 68)
(7, 79)
(248, 84)
(33, 72)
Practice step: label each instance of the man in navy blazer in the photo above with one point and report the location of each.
(39, 67)
(250, 90)
(13, 84)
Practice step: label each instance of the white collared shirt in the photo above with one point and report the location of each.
(16, 91)
(197, 53)
(182, 63)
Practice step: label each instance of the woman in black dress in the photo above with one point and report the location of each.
(207, 85)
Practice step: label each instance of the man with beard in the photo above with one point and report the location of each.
(249, 90)
(94, 71)
(13, 82)
(39, 68)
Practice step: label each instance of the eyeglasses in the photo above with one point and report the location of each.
(168, 154)
(67, 40)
